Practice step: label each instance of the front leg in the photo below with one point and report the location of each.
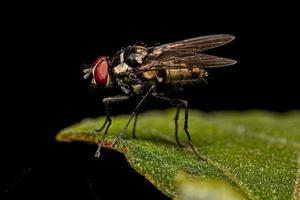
(107, 102)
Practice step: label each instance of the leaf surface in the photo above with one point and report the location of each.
(256, 154)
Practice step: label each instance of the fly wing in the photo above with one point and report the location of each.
(187, 47)
(185, 53)
(198, 60)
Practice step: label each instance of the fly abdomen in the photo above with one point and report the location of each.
(184, 74)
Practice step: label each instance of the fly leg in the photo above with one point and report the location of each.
(134, 113)
(134, 125)
(107, 102)
(186, 120)
(103, 125)
(180, 104)
(176, 125)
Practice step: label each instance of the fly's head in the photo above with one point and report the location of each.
(99, 73)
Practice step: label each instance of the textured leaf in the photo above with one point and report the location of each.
(253, 153)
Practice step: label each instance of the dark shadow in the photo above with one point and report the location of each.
(72, 172)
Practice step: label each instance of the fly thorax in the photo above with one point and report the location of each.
(141, 53)
(121, 69)
(134, 55)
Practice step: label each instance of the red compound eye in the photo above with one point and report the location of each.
(101, 71)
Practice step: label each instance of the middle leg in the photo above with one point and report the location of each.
(136, 110)
(134, 125)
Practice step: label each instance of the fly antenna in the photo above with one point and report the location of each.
(87, 72)
(85, 66)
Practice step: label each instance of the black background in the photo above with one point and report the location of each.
(43, 89)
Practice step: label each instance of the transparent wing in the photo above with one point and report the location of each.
(187, 47)
(202, 61)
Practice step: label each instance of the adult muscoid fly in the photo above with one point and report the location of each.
(140, 71)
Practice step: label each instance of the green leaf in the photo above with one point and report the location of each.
(254, 153)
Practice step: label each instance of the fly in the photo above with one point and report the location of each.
(140, 72)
